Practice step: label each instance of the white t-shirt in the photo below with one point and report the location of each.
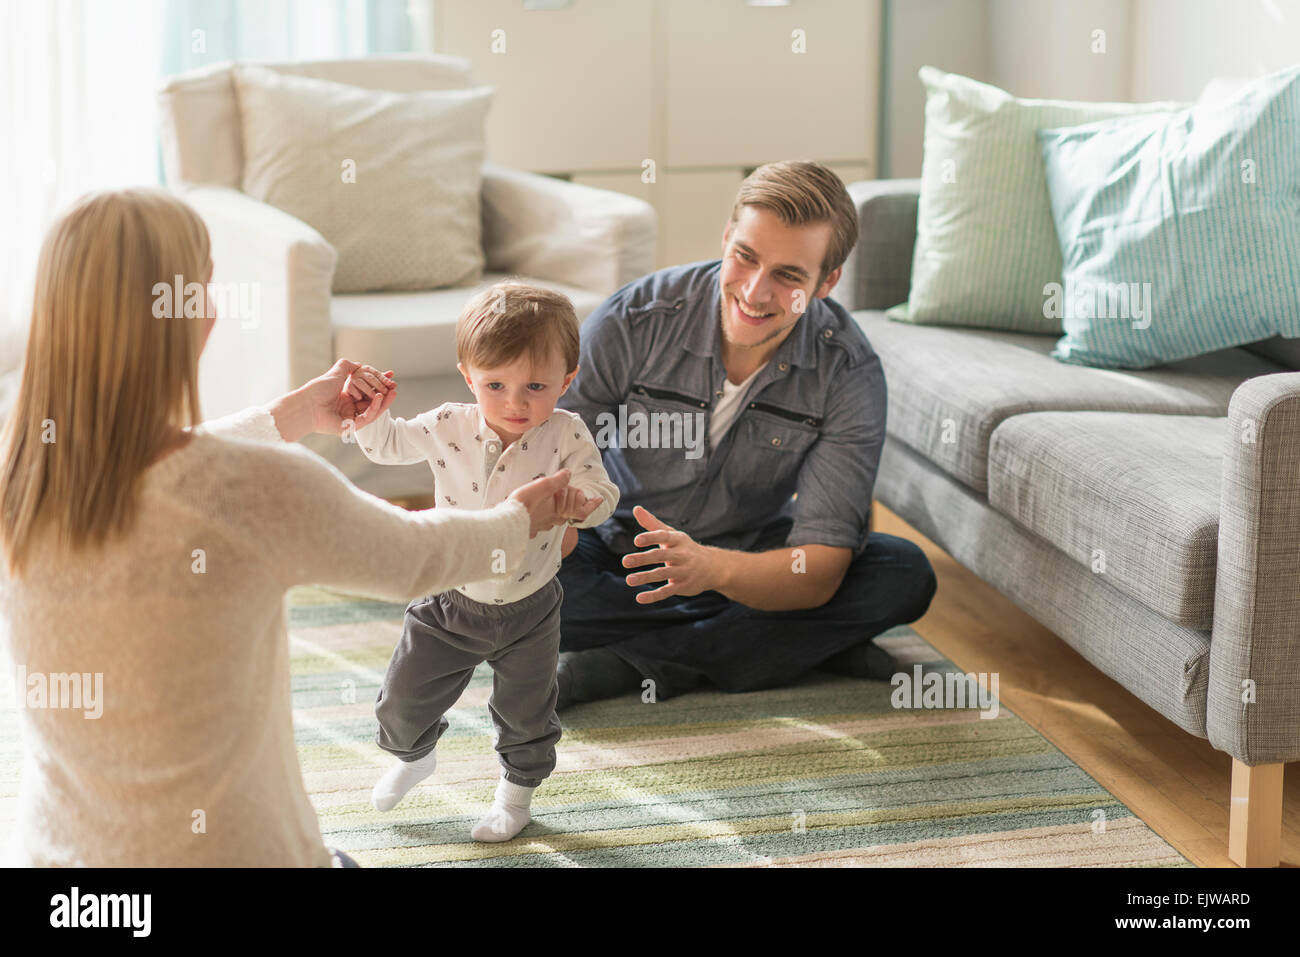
(724, 413)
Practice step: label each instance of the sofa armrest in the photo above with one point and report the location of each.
(1256, 638)
(284, 269)
(878, 272)
(546, 228)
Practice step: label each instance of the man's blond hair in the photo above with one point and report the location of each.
(801, 192)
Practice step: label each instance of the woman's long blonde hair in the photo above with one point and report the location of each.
(106, 382)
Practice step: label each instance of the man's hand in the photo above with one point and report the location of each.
(687, 566)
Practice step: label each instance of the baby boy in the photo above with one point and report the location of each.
(517, 347)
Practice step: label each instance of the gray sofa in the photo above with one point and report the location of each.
(1150, 519)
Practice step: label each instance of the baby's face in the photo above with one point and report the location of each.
(518, 396)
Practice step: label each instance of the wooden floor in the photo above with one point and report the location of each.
(1175, 782)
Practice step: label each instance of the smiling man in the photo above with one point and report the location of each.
(751, 564)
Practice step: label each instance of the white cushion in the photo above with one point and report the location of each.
(13, 339)
(390, 180)
(414, 333)
(8, 393)
(1221, 89)
(200, 118)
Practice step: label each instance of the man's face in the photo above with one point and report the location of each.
(769, 275)
(518, 396)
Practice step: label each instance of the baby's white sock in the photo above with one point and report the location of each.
(399, 779)
(508, 814)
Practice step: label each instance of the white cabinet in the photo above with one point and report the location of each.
(695, 206)
(706, 89)
(748, 85)
(573, 85)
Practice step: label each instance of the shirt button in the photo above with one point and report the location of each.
(827, 333)
(492, 446)
(783, 366)
(776, 440)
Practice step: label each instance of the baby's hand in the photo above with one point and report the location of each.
(571, 504)
(366, 394)
(367, 380)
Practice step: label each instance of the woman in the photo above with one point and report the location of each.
(146, 563)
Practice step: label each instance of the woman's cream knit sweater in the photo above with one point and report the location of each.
(192, 760)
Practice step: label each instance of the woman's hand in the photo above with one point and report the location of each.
(539, 498)
(574, 506)
(329, 401)
(352, 392)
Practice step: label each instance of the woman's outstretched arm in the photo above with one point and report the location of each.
(310, 525)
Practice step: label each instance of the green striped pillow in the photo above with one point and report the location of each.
(985, 241)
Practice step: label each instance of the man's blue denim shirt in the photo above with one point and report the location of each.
(812, 423)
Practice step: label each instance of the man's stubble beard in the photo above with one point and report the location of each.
(726, 338)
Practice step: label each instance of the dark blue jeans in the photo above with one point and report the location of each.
(680, 642)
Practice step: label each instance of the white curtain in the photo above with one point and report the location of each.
(77, 79)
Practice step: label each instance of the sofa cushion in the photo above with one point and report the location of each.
(1133, 497)
(199, 117)
(1174, 241)
(950, 388)
(391, 180)
(414, 333)
(985, 241)
(1285, 352)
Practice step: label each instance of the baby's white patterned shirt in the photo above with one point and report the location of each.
(474, 469)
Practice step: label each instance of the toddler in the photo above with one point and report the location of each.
(517, 348)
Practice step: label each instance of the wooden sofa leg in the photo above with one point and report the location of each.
(1255, 821)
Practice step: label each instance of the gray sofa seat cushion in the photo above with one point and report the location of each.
(1132, 497)
(414, 333)
(950, 388)
(1285, 352)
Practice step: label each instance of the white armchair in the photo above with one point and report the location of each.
(580, 241)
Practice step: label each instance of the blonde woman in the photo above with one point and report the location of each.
(147, 560)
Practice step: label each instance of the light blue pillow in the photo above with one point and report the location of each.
(1180, 233)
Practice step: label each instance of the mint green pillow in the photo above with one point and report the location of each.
(985, 241)
(1181, 233)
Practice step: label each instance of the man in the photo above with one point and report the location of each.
(759, 550)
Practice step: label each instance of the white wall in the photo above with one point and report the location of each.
(1180, 45)
(1063, 49)
(1037, 48)
(595, 89)
(952, 35)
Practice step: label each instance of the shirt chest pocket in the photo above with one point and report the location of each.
(774, 448)
(663, 441)
(765, 431)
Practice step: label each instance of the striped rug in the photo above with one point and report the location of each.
(823, 773)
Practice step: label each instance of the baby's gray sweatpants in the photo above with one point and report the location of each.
(444, 637)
